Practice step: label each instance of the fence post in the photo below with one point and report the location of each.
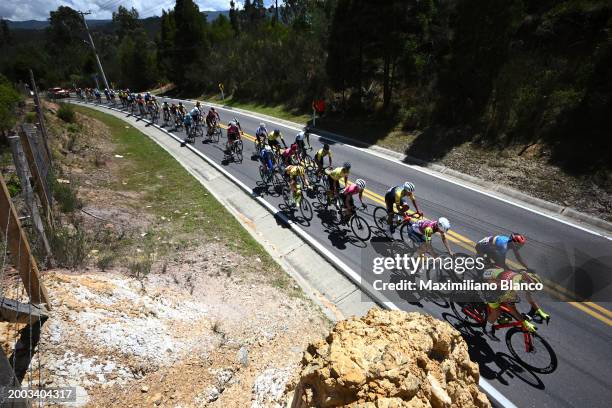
(17, 243)
(39, 180)
(28, 195)
(41, 116)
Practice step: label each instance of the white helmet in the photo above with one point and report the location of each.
(300, 136)
(360, 183)
(268, 148)
(262, 125)
(408, 186)
(443, 224)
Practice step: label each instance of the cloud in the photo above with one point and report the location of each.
(19, 10)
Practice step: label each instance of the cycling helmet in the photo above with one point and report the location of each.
(347, 165)
(408, 186)
(361, 184)
(293, 147)
(518, 238)
(149, 93)
(300, 136)
(276, 131)
(443, 224)
(197, 103)
(180, 103)
(212, 109)
(262, 125)
(325, 146)
(268, 148)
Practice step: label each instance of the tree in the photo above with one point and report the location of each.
(233, 16)
(9, 98)
(190, 42)
(126, 21)
(65, 41)
(5, 33)
(166, 43)
(137, 61)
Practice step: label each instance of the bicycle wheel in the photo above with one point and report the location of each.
(360, 228)
(471, 314)
(262, 174)
(286, 193)
(238, 150)
(531, 350)
(380, 218)
(217, 134)
(277, 182)
(306, 209)
(408, 236)
(321, 193)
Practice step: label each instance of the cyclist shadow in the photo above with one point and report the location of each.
(508, 367)
(339, 237)
(290, 213)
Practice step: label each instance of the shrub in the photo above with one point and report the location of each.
(31, 117)
(66, 196)
(66, 113)
(69, 246)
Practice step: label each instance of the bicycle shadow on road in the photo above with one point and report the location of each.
(494, 366)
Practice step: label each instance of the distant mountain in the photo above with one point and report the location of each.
(41, 24)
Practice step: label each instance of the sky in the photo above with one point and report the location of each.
(19, 10)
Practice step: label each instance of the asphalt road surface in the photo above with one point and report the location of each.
(571, 259)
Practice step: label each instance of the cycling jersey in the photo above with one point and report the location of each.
(266, 157)
(288, 152)
(321, 153)
(194, 112)
(294, 171)
(498, 275)
(499, 243)
(272, 136)
(261, 131)
(351, 190)
(399, 194)
(338, 173)
(425, 229)
(187, 120)
(165, 106)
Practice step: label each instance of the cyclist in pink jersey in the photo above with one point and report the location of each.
(288, 153)
(346, 196)
(424, 229)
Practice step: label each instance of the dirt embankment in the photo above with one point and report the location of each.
(151, 311)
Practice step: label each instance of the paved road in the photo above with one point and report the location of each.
(579, 332)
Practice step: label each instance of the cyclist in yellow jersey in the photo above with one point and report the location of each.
(293, 172)
(398, 196)
(334, 176)
(320, 155)
(273, 140)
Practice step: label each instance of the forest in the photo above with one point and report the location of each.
(517, 72)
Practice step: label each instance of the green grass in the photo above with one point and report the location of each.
(191, 214)
(277, 111)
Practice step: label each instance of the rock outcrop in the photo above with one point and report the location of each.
(389, 359)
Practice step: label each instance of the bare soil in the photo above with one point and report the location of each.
(200, 325)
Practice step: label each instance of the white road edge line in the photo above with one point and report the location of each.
(486, 386)
(416, 168)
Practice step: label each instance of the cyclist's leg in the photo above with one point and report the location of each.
(389, 203)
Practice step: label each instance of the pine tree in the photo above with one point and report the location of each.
(189, 42)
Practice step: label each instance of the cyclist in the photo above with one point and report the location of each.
(181, 109)
(212, 118)
(294, 171)
(299, 140)
(200, 109)
(195, 114)
(266, 157)
(424, 229)
(187, 120)
(233, 134)
(288, 153)
(495, 248)
(261, 134)
(346, 196)
(509, 297)
(334, 176)
(399, 196)
(147, 97)
(273, 138)
(166, 111)
(320, 154)
(140, 102)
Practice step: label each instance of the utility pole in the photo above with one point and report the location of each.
(93, 47)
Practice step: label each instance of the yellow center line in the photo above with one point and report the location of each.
(469, 245)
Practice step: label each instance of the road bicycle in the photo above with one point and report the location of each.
(297, 199)
(213, 133)
(400, 221)
(528, 347)
(166, 117)
(235, 150)
(360, 227)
